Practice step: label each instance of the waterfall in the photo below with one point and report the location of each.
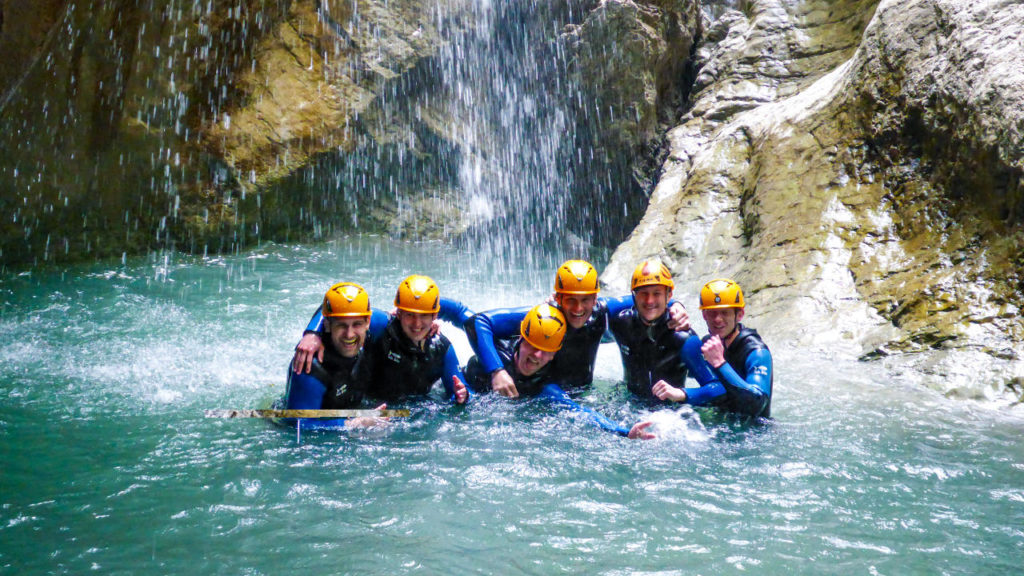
(212, 126)
(497, 133)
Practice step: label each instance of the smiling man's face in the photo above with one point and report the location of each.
(530, 359)
(651, 301)
(349, 334)
(577, 307)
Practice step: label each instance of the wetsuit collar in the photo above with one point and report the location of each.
(396, 329)
(728, 340)
(663, 319)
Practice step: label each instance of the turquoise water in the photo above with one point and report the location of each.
(110, 466)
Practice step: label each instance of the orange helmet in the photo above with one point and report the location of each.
(543, 327)
(418, 294)
(652, 273)
(721, 293)
(576, 277)
(345, 299)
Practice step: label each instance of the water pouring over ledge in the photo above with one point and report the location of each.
(210, 126)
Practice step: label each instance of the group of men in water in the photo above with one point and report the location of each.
(351, 352)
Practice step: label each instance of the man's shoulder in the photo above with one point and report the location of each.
(440, 341)
(749, 340)
(623, 317)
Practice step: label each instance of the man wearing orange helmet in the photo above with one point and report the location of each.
(576, 288)
(655, 359)
(409, 357)
(737, 354)
(407, 354)
(337, 378)
(527, 361)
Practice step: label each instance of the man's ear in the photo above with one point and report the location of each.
(739, 314)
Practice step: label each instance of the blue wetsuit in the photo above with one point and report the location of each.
(398, 367)
(572, 366)
(538, 384)
(337, 382)
(747, 375)
(652, 352)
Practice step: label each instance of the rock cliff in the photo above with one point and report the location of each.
(857, 167)
(193, 126)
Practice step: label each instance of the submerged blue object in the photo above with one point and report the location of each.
(555, 394)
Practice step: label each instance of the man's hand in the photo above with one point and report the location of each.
(309, 346)
(502, 383)
(639, 431)
(714, 352)
(678, 318)
(665, 391)
(461, 394)
(368, 421)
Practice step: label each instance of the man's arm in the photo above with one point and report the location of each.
(486, 327)
(678, 318)
(316, 323)
(310, 346)
(455, 312)
(616, 305)
(378, 322)
(710, 387)
(453, 378)
(759, 375)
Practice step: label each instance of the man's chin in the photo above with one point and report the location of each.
(528, 370)
(347, 350)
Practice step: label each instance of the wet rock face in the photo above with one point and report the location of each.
(23, 30)
(633, 60)
(208, 125)
(943, 117)
(129, 127)
(861, 179)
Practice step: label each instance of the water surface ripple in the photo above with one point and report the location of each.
(110, 466)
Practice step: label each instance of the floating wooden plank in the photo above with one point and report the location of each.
(306, 413)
